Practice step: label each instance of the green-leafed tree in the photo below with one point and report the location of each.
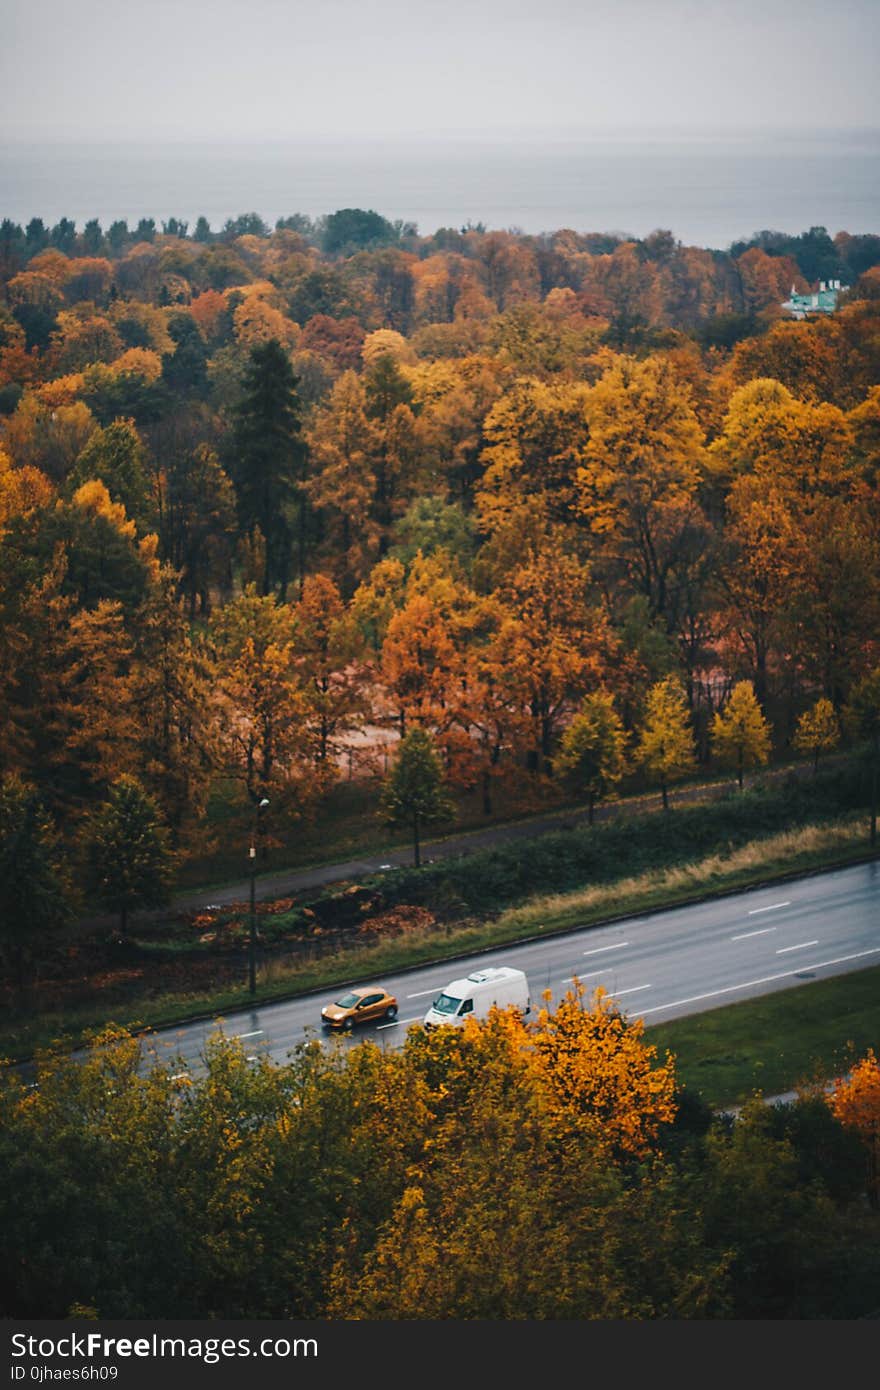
(666, 743)
(385, 387)
(740, 734)
(818, 731)
(592, 755)
(350, 229)
(175, 684)
(116, 456)
(185, 370)
(198, 523)
(128, 854)
(862, 716)
(269, 459)
(414, 793)
(33, 897)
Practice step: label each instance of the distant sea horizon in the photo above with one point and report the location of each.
(708, 189)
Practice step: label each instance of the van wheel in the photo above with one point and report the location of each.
(391, 1011)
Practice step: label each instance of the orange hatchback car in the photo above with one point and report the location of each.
(357, 1006)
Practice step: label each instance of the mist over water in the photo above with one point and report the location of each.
(707, 191)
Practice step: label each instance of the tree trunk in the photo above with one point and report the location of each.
(592, 803)
(416, 845)
(665, 796)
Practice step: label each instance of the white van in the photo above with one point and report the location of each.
(474, 996)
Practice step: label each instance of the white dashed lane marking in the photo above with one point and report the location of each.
(765, 980)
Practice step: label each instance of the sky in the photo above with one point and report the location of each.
(171, 70)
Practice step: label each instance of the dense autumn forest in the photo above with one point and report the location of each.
(538, 510)
(272, 499)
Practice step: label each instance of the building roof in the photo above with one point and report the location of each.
(820, 301)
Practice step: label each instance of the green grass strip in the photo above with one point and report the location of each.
(809, 1033)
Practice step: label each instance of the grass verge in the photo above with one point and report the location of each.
(777, 1043)
(771, 857)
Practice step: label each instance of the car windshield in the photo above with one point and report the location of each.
(446, 1004)
(348, 1001)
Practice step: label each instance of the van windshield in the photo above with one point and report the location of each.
(446, 1004)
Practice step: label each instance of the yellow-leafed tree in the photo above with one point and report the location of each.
(740, 733)
(666, 744)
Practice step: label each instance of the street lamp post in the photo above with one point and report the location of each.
(252, 933)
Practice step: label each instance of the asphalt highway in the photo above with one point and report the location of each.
(657, 967)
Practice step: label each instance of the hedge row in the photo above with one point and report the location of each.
(486, 881)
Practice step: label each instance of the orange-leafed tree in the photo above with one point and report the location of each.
(629, 286)
(47, 438)
(419, 663)
(22, 491)
(328, 647)
(342, 445)
(490, 729)
(794, 353)
(802, 448)
(837, 602)
(765, 282)
(637, 487)
(759, 576)
(100, 713)
(260, 704)
(855, 1100)
(536, 436)
(599, 1068)
(453, 399)
(556, 645)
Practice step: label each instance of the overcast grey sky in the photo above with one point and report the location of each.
(192, 69)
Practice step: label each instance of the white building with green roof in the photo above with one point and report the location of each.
(820, 301)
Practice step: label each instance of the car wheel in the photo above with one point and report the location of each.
(391, 1011)
(347, 1024)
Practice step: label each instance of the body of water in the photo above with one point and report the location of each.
(707, 191)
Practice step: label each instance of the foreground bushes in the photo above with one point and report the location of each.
(507, 1170)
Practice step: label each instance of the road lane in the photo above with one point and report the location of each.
(660, 966)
